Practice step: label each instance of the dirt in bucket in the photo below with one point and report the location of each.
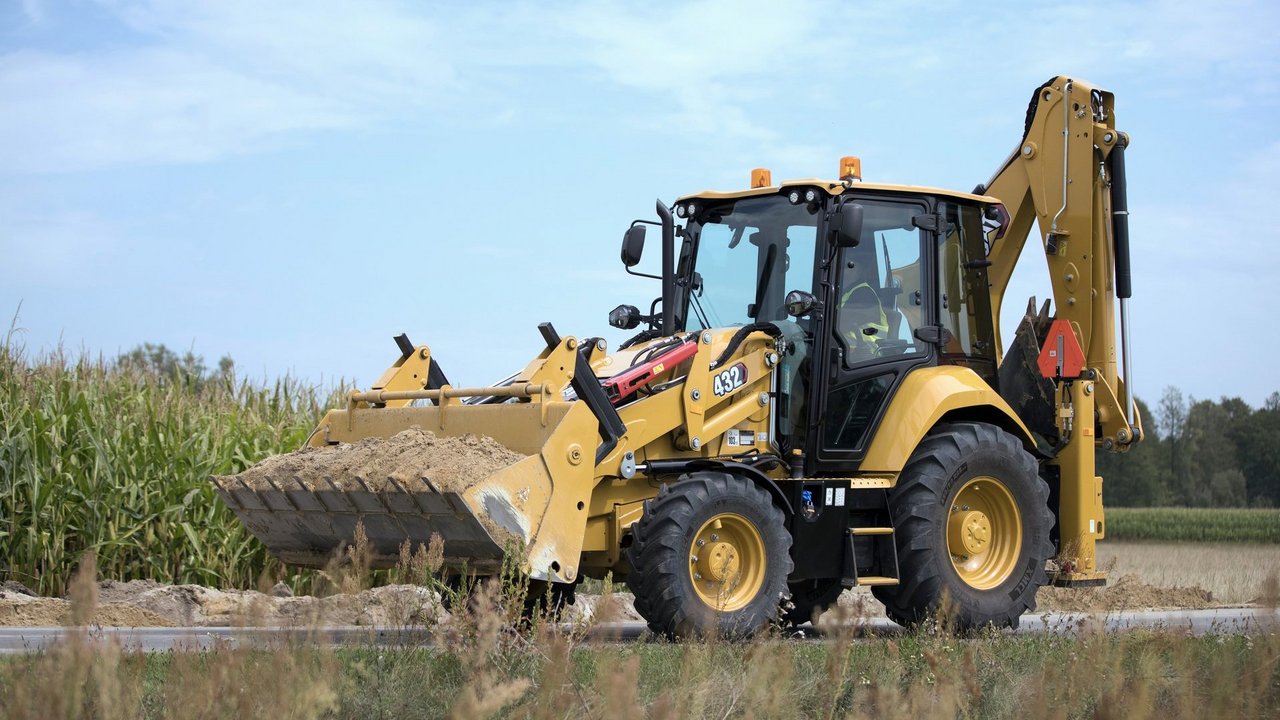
(411, 457)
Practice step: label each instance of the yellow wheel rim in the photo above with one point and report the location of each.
(727, 562)
(984, 533)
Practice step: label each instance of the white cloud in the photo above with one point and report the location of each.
(373, 52)
(69, 113)
(201, 80)
(212, 80)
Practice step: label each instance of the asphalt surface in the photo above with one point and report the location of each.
(17, 640)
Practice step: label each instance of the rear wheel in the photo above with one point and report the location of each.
(710, 556)
(972, 524)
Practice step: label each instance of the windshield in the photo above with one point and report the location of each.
(748, 254)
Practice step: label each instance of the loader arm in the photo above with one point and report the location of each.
(1067, 178)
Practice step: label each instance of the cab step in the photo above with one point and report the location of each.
(877, 580)
(871, 555)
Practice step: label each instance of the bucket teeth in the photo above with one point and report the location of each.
(307, 523)
(306, 506)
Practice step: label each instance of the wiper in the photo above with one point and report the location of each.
(737, 237)
(697, 310)
(888, 268)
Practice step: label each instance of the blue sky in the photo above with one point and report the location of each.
(292, 183)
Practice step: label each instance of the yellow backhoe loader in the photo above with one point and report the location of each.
(820, 399)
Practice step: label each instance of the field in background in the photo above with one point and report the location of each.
(1172, 524)
(1234, 573)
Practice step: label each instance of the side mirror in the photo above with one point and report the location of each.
(625, 317)
(848, 225)
(633, 246)
(799, 303)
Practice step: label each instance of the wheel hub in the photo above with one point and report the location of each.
(719, 561)
(727, 562)
(970, 530)
(984, 533)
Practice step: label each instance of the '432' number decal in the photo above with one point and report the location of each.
(729, 379)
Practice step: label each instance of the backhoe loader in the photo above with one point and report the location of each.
(819, 399)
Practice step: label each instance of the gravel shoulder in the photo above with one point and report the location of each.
(150, 604)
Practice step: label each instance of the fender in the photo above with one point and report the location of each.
(927, 397)
(664, 467)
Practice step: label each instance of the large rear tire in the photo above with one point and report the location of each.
(972, 524)
(710, 556)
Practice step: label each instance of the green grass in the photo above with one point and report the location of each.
(1140, 674)
(116, 458)
(1234, 525)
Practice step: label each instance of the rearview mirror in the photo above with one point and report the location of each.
(848, 223)
(633, 245)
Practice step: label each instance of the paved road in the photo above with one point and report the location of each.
(31, 639)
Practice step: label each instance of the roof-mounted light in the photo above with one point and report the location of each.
(851, 167)
(761, 177)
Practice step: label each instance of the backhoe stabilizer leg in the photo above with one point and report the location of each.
(1080, 518)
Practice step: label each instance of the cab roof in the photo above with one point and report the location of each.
(837, 188)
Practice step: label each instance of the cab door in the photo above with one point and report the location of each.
(876, 295)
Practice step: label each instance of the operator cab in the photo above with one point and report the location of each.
(865, 281)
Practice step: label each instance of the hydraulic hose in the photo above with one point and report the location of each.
(767, 328)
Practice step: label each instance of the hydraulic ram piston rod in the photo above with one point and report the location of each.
(381, 396)
(1124, 277)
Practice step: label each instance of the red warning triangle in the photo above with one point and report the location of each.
(1061, 356)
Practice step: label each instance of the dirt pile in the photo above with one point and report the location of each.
(20, 609)
(143, 603)
(415, 459)
(615, 607)
(150, 604)
(1125, 593)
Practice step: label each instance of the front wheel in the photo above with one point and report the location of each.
(710, 556)
(972, 523)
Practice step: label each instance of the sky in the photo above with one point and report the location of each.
(294, 183)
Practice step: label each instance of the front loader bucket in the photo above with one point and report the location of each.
(306, 526)
(485, 478)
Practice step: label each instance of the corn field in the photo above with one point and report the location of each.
(115, 458)
(1237, 525)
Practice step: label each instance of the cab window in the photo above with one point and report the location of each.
(880, 287)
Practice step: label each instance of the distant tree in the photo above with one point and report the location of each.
(1173, 426)
(167, 366)
(1198, 453)
(1213, 473)
(160, 361)
(1257, 440)
(1139, 476)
